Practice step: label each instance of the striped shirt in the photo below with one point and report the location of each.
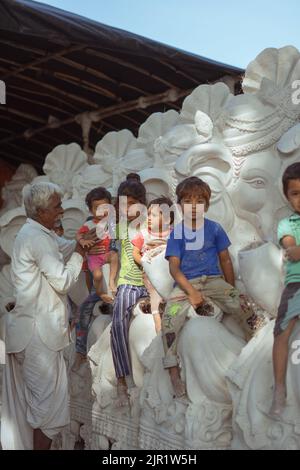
(130, 272)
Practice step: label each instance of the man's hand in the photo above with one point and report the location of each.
(79, 249)
(86, 243)
(87, 239)
(292, 253)
(195, 298)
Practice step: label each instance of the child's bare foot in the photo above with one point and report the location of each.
(178, 385)
(113, 288)
(79, 360)
(106, 298)
(279, 402)
(179, 388)
(133, 395)
(123, 398)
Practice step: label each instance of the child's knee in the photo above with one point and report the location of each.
(97, 275)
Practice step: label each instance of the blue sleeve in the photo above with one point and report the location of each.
(173, 247)
(222, 240)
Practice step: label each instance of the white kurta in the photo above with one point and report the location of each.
(41, 281)
(35, 388)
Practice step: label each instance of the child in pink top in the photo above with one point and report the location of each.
(95, 199)
(155, 234)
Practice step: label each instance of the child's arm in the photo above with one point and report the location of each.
(227, 267)
(194, 296)
(138, 243)
(136, 252)
(291, 249)
(84, 232)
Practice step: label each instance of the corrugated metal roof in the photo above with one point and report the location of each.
(57, 65)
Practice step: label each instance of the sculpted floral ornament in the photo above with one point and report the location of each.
(118, 153)
(63, 163)
(91, 177)
(157, 125)
(209, 99)
(114, 145)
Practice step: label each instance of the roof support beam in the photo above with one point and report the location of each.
(38, 61)
(97, 115)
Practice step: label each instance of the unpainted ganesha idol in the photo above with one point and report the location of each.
(257, 197)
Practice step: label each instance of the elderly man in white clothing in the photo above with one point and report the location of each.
(44, 267)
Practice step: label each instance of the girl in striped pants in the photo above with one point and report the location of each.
(130, 286)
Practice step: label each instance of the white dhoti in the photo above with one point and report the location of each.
(35, 395)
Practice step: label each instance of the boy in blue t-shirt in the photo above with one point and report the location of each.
(200, 264)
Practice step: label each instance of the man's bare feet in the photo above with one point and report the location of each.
(279, 401)
(79, 360)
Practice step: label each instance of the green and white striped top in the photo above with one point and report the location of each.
(130, 272)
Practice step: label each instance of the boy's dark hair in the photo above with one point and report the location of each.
(133, 188)
(96, 194)
(189, 185)
(134, 177)
(163, 200)
(292, 172)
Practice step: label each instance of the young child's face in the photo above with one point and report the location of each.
(94, 209)
(190, 205)
(157, 221)
(293, 194)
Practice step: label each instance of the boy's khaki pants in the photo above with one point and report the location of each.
(224, 295)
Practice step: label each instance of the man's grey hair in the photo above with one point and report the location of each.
(37, 195)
